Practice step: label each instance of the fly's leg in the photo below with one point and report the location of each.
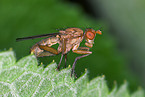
(84, 52)
(65, 59)
(83, 48)
(63, 50)
(58, 67)
(49, 49)
(73, 66)
(52, 50)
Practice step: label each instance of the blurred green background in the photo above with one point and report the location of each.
(118, 53)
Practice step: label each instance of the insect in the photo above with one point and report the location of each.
(67, 39)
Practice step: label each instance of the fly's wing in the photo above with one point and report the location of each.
(38, 36)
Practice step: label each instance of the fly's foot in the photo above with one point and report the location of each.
(58, 68)
(73, 73)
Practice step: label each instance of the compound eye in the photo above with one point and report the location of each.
(90, 35)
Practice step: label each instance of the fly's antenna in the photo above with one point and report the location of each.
(101, 28)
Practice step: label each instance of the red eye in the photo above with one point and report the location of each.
(90, 35)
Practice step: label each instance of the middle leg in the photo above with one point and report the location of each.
(65, 60)
(58, 67)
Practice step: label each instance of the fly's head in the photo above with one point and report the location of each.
(90, 36)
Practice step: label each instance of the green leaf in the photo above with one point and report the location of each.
(138, 93)
(25, 78)
(123, 91)
(114, 90)
(81, 84)
(6, 59)
(96, 88)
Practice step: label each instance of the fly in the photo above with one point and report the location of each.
(68, 39)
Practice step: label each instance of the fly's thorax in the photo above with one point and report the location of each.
(71, 33)
(73, 30)
(68, 48)
(65, 49)
(75, 41)
(72, 36)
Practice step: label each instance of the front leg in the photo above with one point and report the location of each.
(84, 52)
(84, 48)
